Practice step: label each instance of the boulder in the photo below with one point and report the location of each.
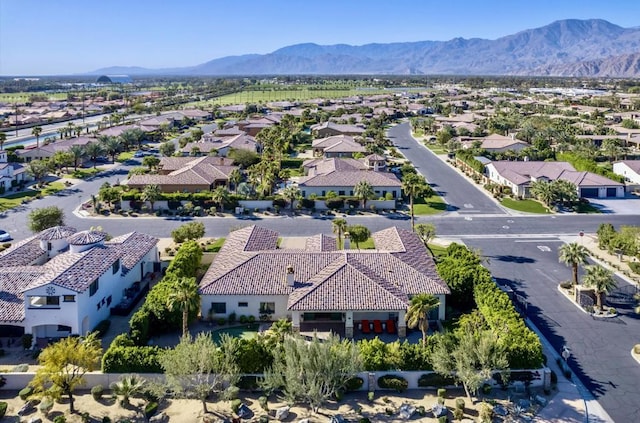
(439, 410)
(35, 420)
(406, 411)
(244, 412)
(500, 410)
(159, 418)
(282, 413)
(541, 400)
(305, 421)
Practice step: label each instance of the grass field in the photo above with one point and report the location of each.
(528, 206)
(437, 250)
(432, 205)
(124, 156)
(436, 148)
(24, 96)
(14, 200)
(215, 246)
(366, 245)
(83, 173)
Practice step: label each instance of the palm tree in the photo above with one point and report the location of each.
(36, 131)
(78, 153)
(364, 191)
(219, 196)
(127, 387)
(111, 146)
(291, 194)
(413, 186)
(418, 313)
(235, 176)
(339, 226)
(543, 191)
(93, 150)
(573, 255)
(600, 280)
(151, 193)
(185, 297)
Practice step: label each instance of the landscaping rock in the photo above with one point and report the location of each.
(244, 412)
(282, 413)
(35, 420)
(159, 418)
(304, 421)
(500, 410)
(439, 410)
(406, 411)
(541, 400)
(524, 403)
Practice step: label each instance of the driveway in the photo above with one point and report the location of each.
(627, 205)
(461, 196)
(600, 348)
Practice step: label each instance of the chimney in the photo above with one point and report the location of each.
(346, 245)
(290, 276)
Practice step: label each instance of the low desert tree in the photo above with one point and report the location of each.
(606, 232)
(167, 149)
(471, 357)
(358, 234)
(64, 365)
(151, 162)
(108, 194)
(196, 368)
(39, 169)
(188, 232)
(426, 232)
(312, 372)
(45, 217)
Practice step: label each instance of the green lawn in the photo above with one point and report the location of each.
(436, 148)
(52, 188)
(124, 156)
(14, 200)
(248, 331)
(529, 206)
(432, 205)
(366, 245)
(586, 208)
(437, 250)
(215, 246)
(82, 173)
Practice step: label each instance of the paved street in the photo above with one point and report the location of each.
(460, 195)
(600, 348)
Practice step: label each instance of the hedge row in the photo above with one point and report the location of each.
(524, 350)
(132, 359)
(589, 165)
(466, 156)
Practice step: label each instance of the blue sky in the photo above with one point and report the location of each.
(47, 37)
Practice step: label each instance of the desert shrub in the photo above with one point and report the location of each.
(485, 413)
(636, 348)
(458, 413)
(150, 409)
(46, 405)
(264, 403)
(3, 408)
(25, 393)
(235, 405)
(354, 383)
(60, 419)
(460, 404)
(435, 380)
(27, 340)
(232, 392)
(566, 285)
(97, 391)
(442, 392)
(106, 419)
(398, 383)
(635, 266)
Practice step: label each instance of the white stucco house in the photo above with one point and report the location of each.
(630, 169)
(520, 175)
(11, 174)
(62, 282)
(319, 286)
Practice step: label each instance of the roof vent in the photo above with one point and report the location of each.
(290, 276)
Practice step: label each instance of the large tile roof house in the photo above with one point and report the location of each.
(520, 175)
(61, 282)
(341, 176)
(630, 169)
(210, 142)
(329, 128)
(337, 146)
(191, 174)
(252, 276)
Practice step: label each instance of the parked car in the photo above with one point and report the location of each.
(4, 236)
(138, 154)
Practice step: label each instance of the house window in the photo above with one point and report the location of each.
(324, 193)
(69, 298)
(267, 308)
(243, 304)
(219, 308)
(116, 266)
(44, 302)
(49, 246)
(340, 192)
(63, 328)
(93, 288)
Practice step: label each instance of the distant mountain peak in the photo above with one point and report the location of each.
(587, 47)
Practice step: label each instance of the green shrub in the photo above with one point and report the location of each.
(442, 392)
(458, 413)
(221, 321)
(97, 392)
(635, 266)
(3, 408)
(364, 420)
(46, 405)
(132, 360)
(60, 419)
(339, 395)
(371, 396)
(25, 393)
(27, 341)
(243, 319)
(398, 383)
(251, 319)
(264, 403)
(460, 403)
(150, 409)
(435, 380)
(248, 383)
(334, 203)
(354, 383)
(440, 400)
(263, 419)
(486, 389)
(106, 419)
(232, 392)
(235, 405)
(232, 318)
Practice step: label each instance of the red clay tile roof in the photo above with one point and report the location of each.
(12, 282)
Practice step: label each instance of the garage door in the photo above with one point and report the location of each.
(589, 192)
(611, 192)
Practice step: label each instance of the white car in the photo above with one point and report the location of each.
(4, 236)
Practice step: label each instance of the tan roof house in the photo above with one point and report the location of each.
(520, 175)
(222, 145)
(321, 286)
(328, 129)
(337, 146)
(186, 174)
(497, 143)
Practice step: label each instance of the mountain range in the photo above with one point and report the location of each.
(585, 48)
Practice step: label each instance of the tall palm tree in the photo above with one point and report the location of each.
(111, 146)
(339, 225)
(364, 191)
(291, 194)
(36, 131)
(185, 297)
(151, 193)
(418, 313)
(93, 150)
(235, 176)
(78, 152)
(413, 186)
(219, 196)
(600, 280)
(573, 255)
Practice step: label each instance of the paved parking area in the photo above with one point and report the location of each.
(628, 205)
